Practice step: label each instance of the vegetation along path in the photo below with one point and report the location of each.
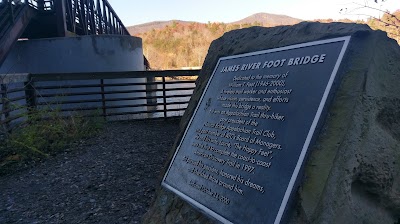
(110, 178)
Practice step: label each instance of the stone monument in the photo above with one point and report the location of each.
(292, 124)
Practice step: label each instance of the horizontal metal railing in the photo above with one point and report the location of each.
(117, 95)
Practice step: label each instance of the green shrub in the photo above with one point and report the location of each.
(45, 133)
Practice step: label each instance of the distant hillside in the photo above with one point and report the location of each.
(267, 19)
(142, 28)
(175, 44)
(262, 19)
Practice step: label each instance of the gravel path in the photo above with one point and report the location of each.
(108, 179)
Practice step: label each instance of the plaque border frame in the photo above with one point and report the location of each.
(306, 144)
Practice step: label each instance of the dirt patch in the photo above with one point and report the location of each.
(107, 179)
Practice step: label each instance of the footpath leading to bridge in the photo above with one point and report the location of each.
(108, 179)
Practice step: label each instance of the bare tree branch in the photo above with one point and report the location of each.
(394, 23)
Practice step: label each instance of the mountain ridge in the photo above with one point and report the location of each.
(269, 18)
(266, 19)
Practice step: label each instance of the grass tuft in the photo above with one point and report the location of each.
(45, 133)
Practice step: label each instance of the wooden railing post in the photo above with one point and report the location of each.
(164, 97)
(30, 96)
(151, 93)
(5, 111)
(103, 98)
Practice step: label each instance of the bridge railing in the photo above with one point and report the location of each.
(9, 10)
(115, 96)
(93, 17)
(79, 17)
(41, 5)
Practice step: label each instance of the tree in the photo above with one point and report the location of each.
(388, 22)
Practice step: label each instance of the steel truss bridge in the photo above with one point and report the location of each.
(33, 19)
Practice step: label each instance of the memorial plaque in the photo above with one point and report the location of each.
(243, 149)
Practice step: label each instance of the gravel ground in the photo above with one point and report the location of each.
(107, 179)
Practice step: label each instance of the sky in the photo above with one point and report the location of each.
(138, 12)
